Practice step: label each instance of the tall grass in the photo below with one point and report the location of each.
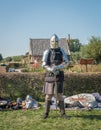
(75, 68)
(82, 68)
(32, 120)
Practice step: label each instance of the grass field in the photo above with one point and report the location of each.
(32, 120)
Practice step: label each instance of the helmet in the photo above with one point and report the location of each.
(54, 41)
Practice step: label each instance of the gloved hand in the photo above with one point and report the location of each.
(49, 69)
(58, 67)
(56, 72)
(55, 68)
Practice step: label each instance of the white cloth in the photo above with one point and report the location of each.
(30, 102)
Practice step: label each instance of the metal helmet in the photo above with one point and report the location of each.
(54, 41)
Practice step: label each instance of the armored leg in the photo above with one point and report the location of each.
(62, 109)
(47, 109)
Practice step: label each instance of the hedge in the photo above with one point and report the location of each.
(76, 83)
(15, 85)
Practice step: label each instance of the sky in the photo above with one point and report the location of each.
(21, 20)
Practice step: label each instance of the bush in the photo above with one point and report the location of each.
(15, 65)
(76, 83)
(15, 85)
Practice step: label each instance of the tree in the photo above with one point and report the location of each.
(74, 45)
(8, 59)
(93, 49)
(27, 53)
(16, 58)
(75, 56)
(1, 58)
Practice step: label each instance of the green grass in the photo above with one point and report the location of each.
(32, 120)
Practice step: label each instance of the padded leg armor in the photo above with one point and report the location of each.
(62, 109)
(47, 109)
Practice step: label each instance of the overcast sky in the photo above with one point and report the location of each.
(21, 20)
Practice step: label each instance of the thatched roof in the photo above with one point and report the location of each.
(38, 46)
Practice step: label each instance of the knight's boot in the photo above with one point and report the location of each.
(47, 109)
(62, 110)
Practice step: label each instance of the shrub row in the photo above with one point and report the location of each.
(76, 83)
(15, 85)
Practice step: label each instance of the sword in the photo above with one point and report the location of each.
(56, 94)
(55, 73)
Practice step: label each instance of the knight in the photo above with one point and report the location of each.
(54, 61)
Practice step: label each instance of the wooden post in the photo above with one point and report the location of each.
(86, 68)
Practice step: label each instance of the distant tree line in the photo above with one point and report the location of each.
(78, 51)
(13, 58)
(90, 50)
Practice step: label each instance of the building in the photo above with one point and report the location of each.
(38, 46)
